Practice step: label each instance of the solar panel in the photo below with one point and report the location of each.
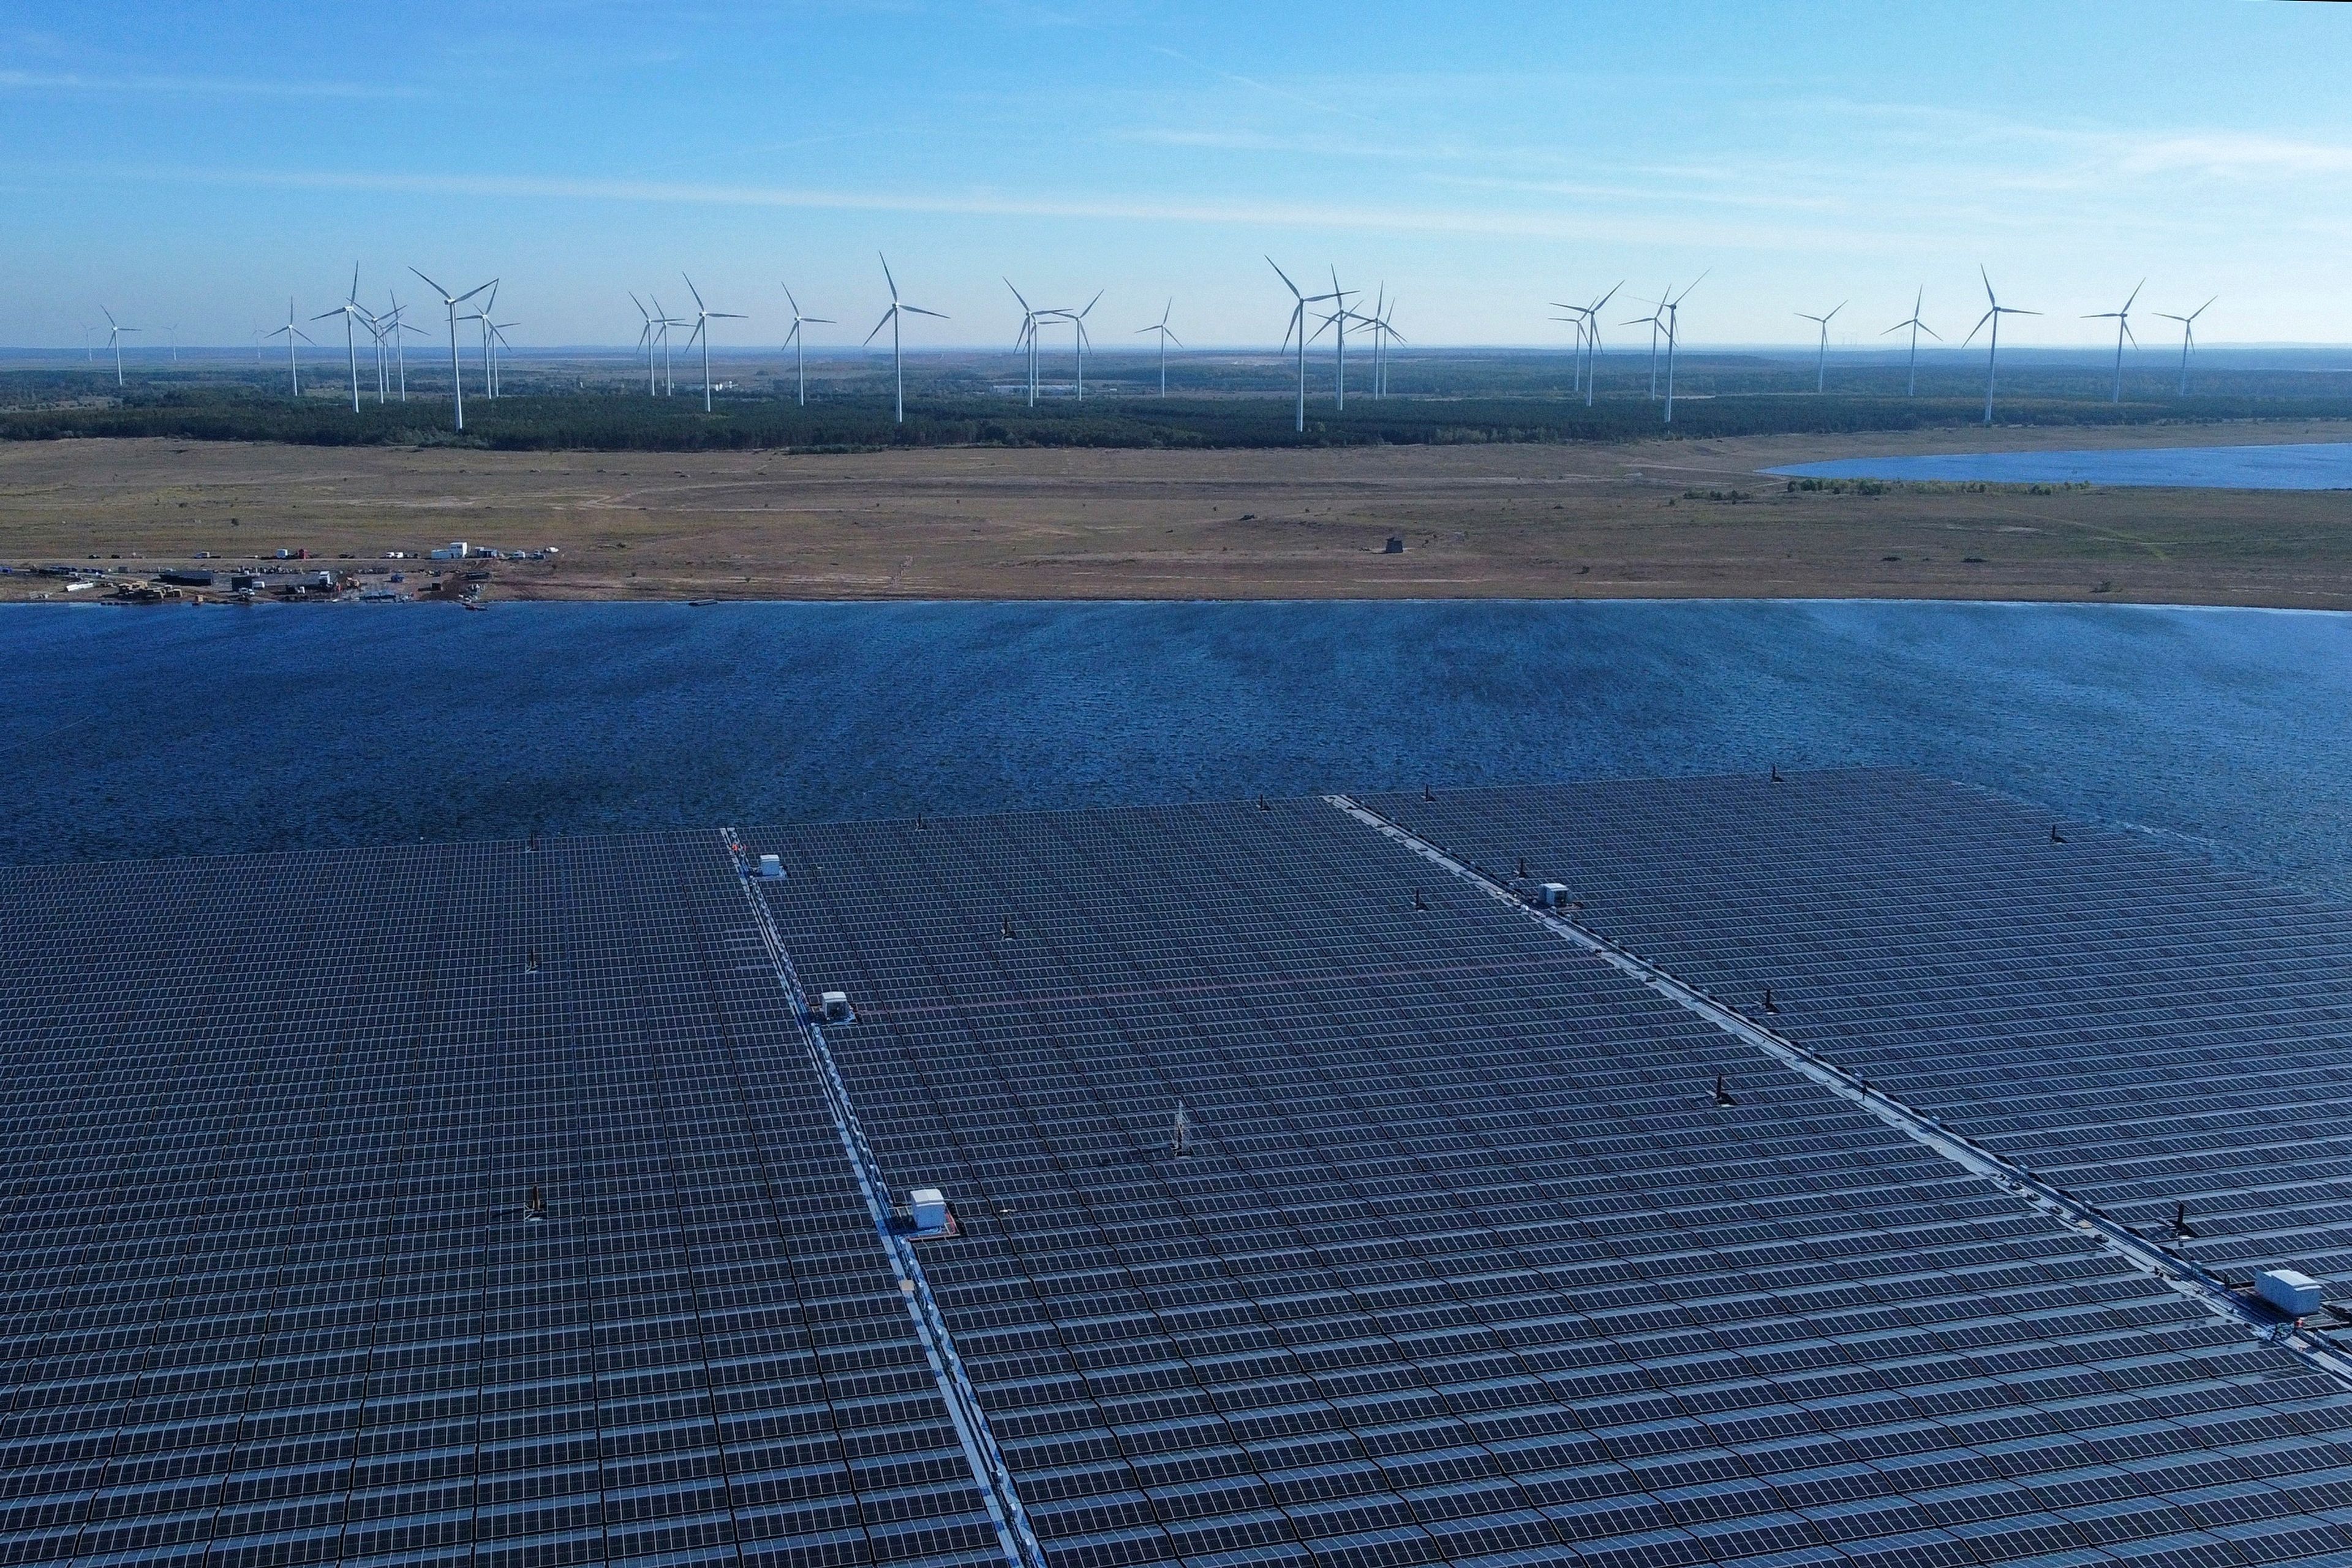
(2137, 1026)
(1464, 1260)
(272, 1289)
(485, 1204)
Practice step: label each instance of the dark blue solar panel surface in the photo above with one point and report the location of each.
(267, 1291)
(1466, 1264)
(2133, 1024)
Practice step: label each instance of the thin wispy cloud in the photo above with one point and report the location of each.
(193, 86)
(1523, 223)
(2232, 153)
(1255, 85)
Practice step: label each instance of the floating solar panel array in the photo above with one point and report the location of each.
(2168, 1040)
(1465, 1259)
(439, 1205)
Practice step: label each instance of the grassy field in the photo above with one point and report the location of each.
(1690, 517)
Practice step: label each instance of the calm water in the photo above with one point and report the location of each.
(2305, 466)
(130, 732)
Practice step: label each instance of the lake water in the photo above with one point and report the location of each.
(140, 732)
(2304, 466)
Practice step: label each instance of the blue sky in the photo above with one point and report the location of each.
(193, 164)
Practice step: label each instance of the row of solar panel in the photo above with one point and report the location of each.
(411, 1079)
(1134, 991)
(2138, 1027)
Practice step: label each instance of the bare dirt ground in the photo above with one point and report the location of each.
(1535, 522)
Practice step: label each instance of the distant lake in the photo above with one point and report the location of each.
(2302, 466)
(129, 732)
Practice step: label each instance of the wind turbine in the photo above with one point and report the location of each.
(664, 321)
(481, 317)
(351, 314)
(2122, 320)
(1911, 388)
(645, 335)
(1593, 340)
(400, 345)
(798, 343)
(1575, 318)
(498, 341)
(1821, 354)
(1383, 333)
(379, 327)
(1027, 340)
(1077, 320)
(703, 316)
(1655, 321)
(1673, 308)
(1992, 344)
(1337, 322)
(451, 302)
(1166, 337)
(293, 367)
(114, 331)
(890, 318)
(171, 336)
(1298, 326)
(2187, 337)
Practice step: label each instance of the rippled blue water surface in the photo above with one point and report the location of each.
(2302, 465)
(132, 733)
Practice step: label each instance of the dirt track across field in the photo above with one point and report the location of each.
(1536, 521)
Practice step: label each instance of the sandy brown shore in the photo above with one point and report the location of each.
(1475, 522)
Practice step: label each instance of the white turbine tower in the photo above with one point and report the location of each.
(1593, 340)
(498, 342)
(1166, 337)
(1911, 386)
(664, 321)
(400, 345)
(2122, 318)
(1656, 322)
(1383, 333)
(2187, 337)
(1821, 354)
(352, 315)
(1077, 320)
(1027, 339)
(1673, 308)
(481, 318)
(115, 332)
(1336, 324)
(703, 316)
(381, 328)
(890, 318)
(451, 302)
(798, 343)
(1575, 318)
(1586, 319)
(1298, 326)
(1992, 344)
(291, 332)
(645, 335)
